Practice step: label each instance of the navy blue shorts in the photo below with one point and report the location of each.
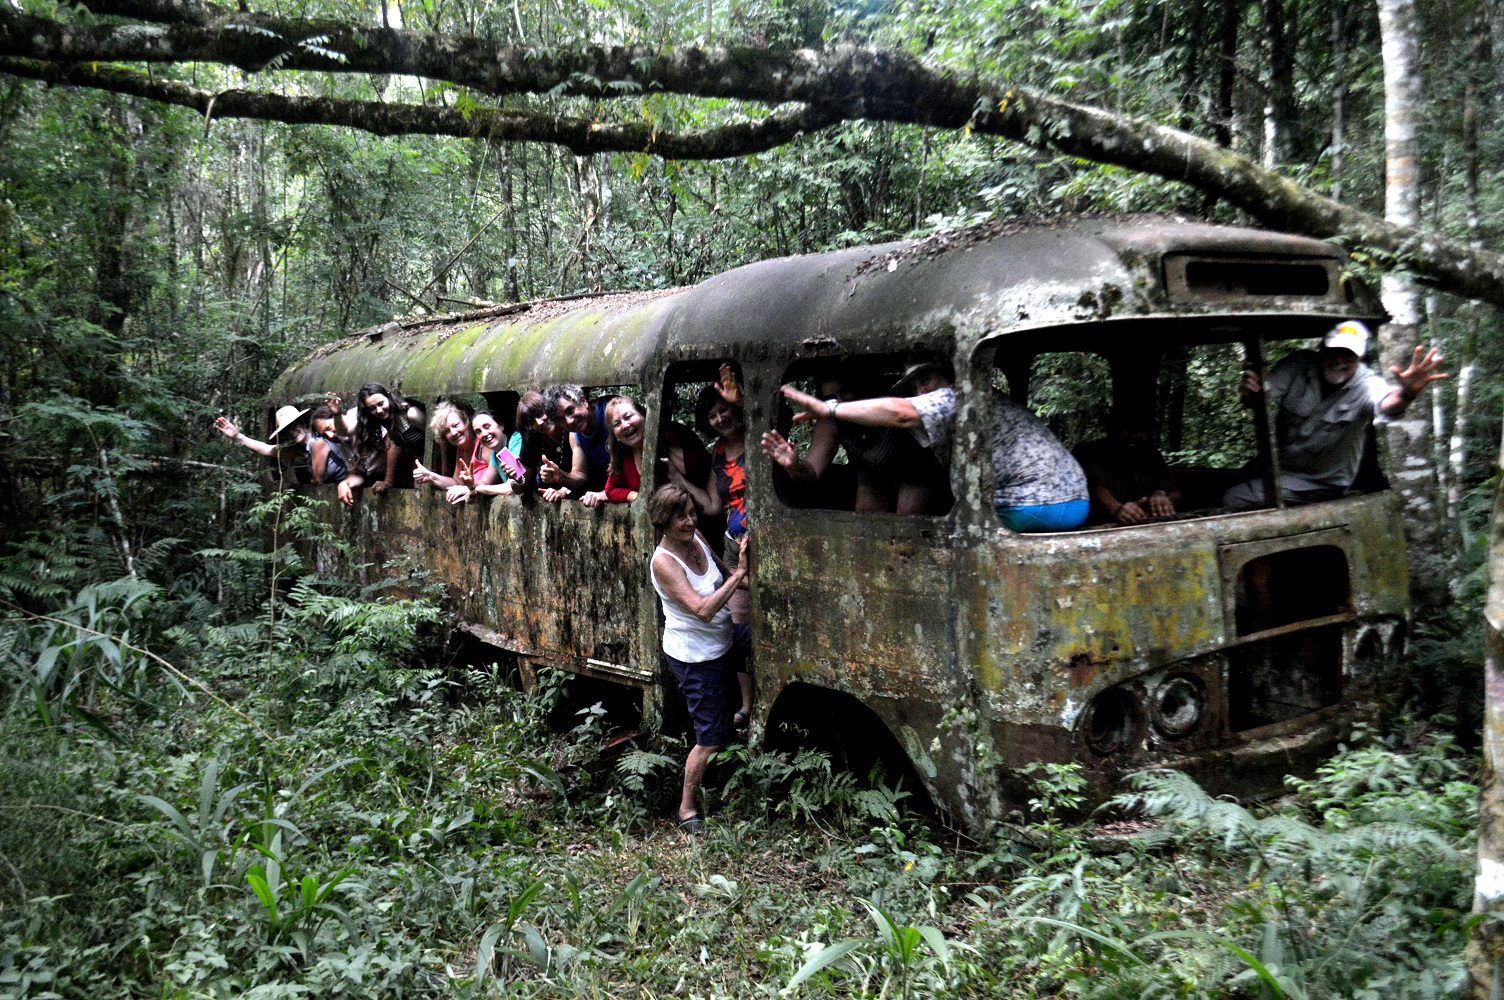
(706, 692)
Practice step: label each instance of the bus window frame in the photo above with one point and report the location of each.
(780, 419)
(1254, 333)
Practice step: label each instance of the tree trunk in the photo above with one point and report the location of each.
(1227, 71)
(1279, 109)
(1485, 951)
(1339, 95)
(1462, 414)
(1411, 470)
(1472, 96)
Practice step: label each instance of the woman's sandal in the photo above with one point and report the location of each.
(693, 824)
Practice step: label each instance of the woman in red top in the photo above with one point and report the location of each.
(625, 418)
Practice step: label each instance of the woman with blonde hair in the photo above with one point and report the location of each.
(460, 451)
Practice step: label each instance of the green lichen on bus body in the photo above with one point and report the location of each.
(591, 344)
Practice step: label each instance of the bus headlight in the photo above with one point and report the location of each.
(1112, 723)
(1177, 706)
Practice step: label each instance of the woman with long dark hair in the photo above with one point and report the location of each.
(504, 474)
(387, 437)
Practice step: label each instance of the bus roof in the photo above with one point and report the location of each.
(954, 288)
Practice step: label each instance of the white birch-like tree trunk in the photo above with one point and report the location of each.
(1485, 951)
(1457, 448)
(1467, 368)
(1412, 471)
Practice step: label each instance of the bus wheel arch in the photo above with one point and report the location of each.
(855, 737)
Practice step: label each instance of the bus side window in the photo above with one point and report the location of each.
(1077, 394)
(602, 394)
(403, 478)
(844, 466)
(1204, 431)
(1072, 392)
(686, 442)
(441, 456)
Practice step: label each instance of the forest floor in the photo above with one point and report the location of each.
(340, 819)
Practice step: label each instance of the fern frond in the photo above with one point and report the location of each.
(643, 762)
(812, 761)
(151, 556)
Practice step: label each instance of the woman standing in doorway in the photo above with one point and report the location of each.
(719, 414)
(694, 587)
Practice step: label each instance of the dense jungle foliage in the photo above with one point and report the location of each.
(222, 774)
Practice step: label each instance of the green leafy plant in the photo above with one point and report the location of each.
(204, 828)
(906, 958)
(1323, 901)
(294, 908)
(63, 661)
(491, 956)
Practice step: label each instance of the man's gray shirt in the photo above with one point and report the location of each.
(1320, 438)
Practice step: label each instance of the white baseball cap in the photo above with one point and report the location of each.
(1349, 335)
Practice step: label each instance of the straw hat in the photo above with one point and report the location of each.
(286, 417)
(923, 363)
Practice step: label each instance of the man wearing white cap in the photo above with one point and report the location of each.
(1323, 404)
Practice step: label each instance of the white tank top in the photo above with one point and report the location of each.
(685, 637)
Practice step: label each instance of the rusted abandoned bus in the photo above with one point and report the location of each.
(1234, 646)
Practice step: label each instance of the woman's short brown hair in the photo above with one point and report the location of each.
(667, 502)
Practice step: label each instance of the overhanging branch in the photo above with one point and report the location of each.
(864, 82)
(579, 136)
(1276, 201)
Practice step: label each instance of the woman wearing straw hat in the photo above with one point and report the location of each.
(316, 430)
(291, 420)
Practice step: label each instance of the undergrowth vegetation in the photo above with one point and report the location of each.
(308, 800)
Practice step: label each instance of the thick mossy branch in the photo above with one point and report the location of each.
(580, 136)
